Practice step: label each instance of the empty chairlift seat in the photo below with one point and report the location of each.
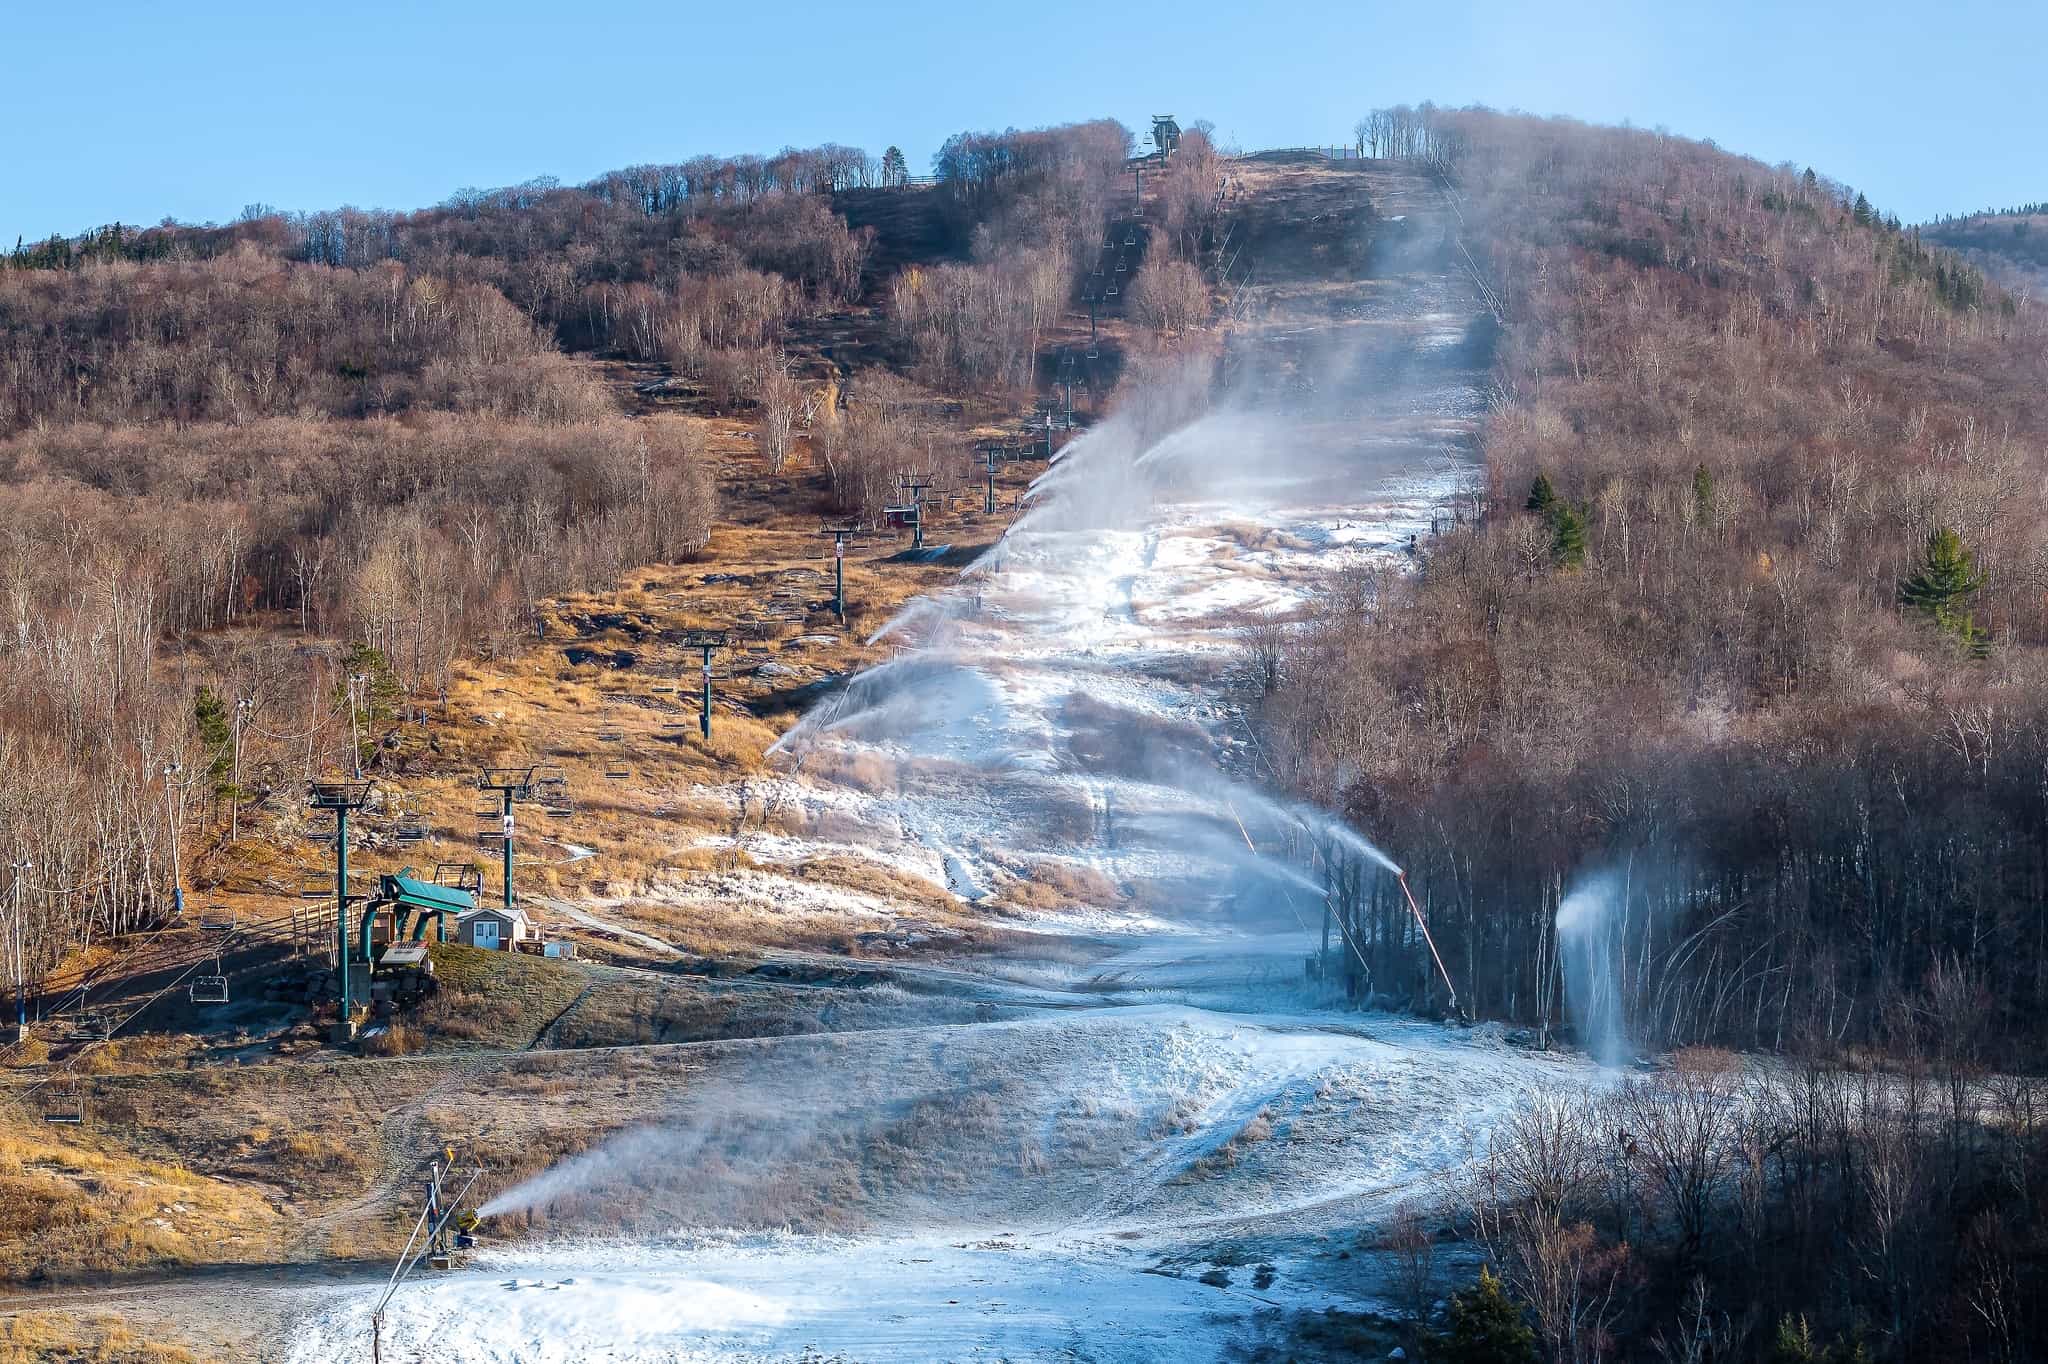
(459, 876)
(209, 989)
(217, 919)
(64, 1103)
(92, 1025)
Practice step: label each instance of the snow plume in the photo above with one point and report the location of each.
(579, 1172)
(717, 1161)
(1590, 924)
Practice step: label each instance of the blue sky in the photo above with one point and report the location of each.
(133, 112)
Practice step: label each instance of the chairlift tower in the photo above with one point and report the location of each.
(993, 456)
(341, 799)
(1165, 135)
(511, 784)
(709, 641)
(840, 535)
(916, 488)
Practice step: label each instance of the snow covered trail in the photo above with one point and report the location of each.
(749, 1301)
(1134, 1184)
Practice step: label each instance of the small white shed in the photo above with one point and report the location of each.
(494, 928)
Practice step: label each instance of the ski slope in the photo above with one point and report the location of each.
(1188, 1146)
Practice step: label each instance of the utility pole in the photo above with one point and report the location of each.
(21, 866)
(355, 741)
(707, 641)
(242, 708)
(171, 813)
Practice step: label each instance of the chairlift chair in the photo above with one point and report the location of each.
(610, 736)
(217, 919)
(459, 875)
(1110, 292)
(316, 885)
(92, 1025)
(1130, 237)
(618, 769)
(211, 989)
(64, 1104)
(410, 832)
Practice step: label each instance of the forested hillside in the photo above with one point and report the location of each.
(1736, 681)
(2009, 243)
(1736, 416)
(312, 460)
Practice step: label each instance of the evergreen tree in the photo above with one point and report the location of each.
(895, 171)
(1703, 493)
(1567, 535)
(1541, 495)
(210, 717)
(1485, 1327)
(1862, 211)
(1794, 1344)
(1941, 587)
